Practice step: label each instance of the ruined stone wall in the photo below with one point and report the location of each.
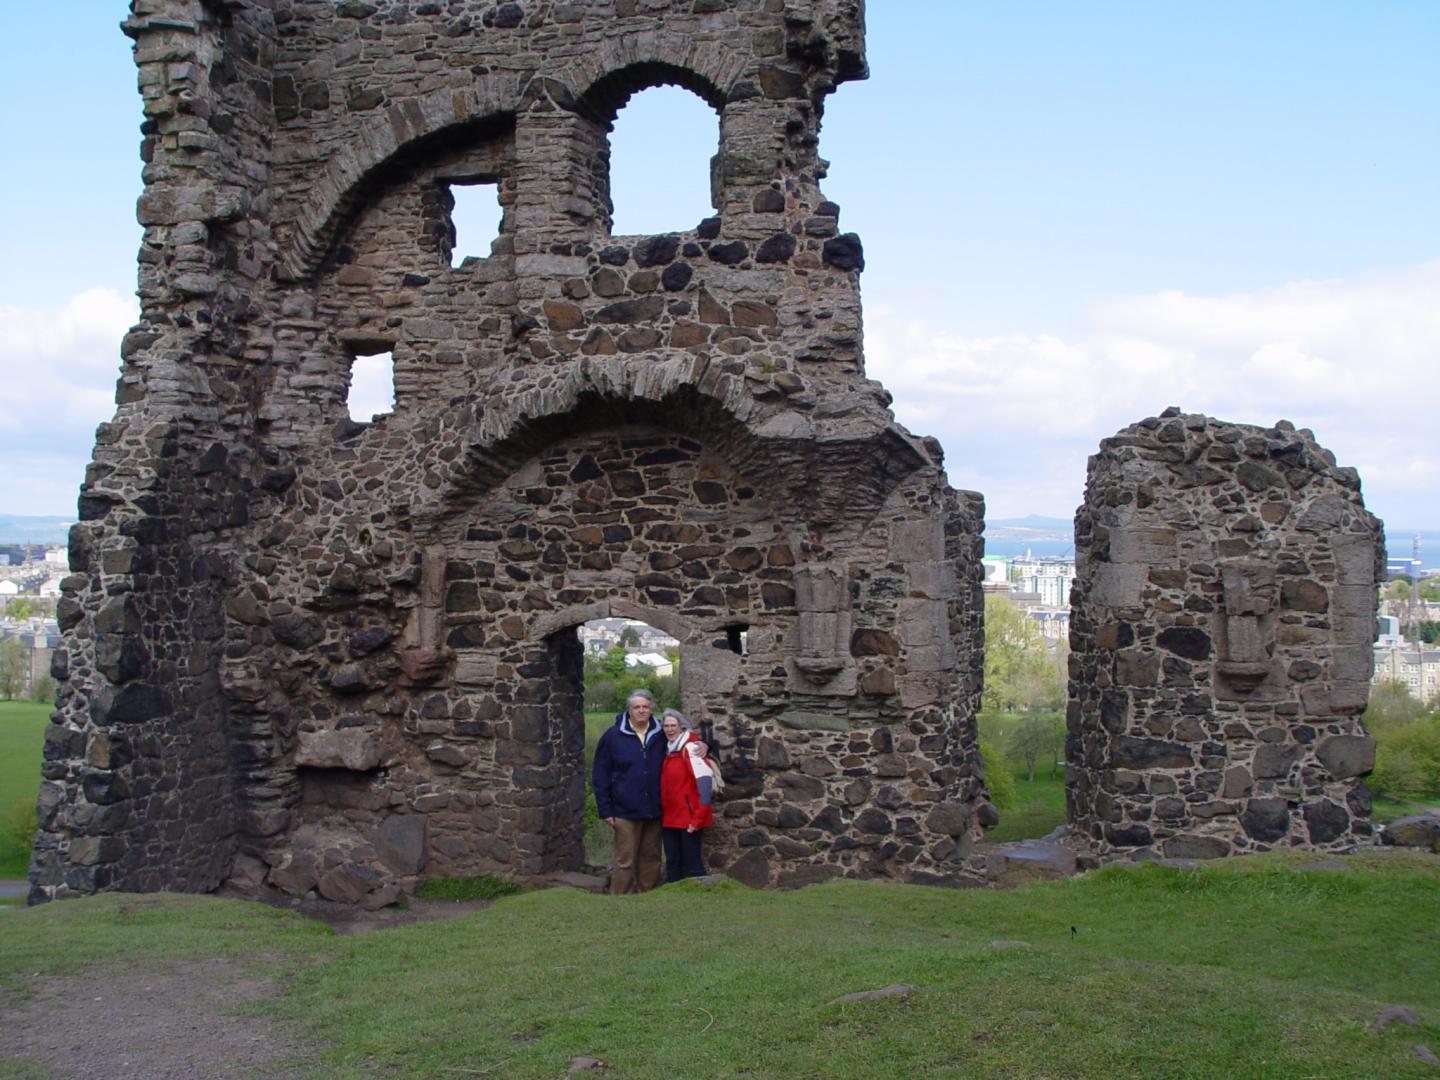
(1221, 626)
(138, 783)
(337, 656)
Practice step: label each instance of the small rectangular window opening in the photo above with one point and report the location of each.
(372, 387)
(735, 637)
(475, 218)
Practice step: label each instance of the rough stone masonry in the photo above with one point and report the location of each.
(1223, 614)
(303, 653)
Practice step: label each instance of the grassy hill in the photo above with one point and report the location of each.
(22, 731)
(1270, 966)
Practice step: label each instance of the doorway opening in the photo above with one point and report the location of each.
(621, 656)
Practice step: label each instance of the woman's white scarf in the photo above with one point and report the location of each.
(699, 767)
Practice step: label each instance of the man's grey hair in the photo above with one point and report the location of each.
(641, 692)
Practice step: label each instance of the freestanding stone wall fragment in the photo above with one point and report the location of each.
(1222, 621)
(304, 653)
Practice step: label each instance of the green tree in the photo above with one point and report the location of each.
(22, 607)
(630, 638)
(14, 662)
(1407, 760)
(613, 662)
(43, 690)
(1391, 706)
(1014, 658)
(599, 693)
(1407, 743)
(1037, 737)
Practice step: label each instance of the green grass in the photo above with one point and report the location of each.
(1385, 811)
(1254, 967)
(466, 889)
(1039, 804)
(1039, 808)
(599, 837)
(22, 734)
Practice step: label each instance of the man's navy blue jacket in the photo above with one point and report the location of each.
(626, 775)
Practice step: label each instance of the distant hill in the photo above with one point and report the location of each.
(1037, 535)
(1031, 525)
(18, 529)
(1056, 536)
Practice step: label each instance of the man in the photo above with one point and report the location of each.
(626, 780)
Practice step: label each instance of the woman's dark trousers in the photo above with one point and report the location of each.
(682, 853)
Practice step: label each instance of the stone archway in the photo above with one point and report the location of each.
(635, 520)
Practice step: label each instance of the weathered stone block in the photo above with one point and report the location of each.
(1131, 752)
(351, 748)
(1417, 830)
(1195, 847)
(1266, 820)
(1346, 756)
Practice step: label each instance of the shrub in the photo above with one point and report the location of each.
(998, 778)
(17, 830)
(43, 690)
(466, 889)
(1407, 760)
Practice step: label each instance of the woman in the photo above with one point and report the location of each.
(685, 794)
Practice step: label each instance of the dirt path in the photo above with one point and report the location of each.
(174, 1022)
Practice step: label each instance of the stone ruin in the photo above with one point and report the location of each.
(307, 654)
(1221, 630)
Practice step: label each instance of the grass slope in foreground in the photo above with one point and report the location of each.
(1271, 966)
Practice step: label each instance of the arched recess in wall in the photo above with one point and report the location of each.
(399, 233)
(840, 482)
(477, 151)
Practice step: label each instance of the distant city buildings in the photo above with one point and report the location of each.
(1415, 666)
(1048, 578)
(602, 635)
(1401, 654)
(31, 573)
(1039, 586)
(32, 570)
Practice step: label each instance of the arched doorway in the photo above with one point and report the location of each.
(632, 522)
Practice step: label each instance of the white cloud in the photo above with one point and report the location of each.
(1355, 360)
(60, 366)
(372, 386)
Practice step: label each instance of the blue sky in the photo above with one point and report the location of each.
(1074, 215)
